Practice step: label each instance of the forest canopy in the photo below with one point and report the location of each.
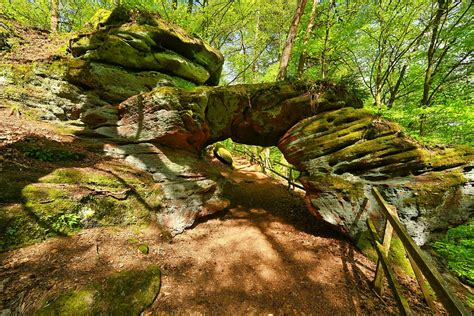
(410, 60)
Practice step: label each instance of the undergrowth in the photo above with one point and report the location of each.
(457, 247)
(51, 155)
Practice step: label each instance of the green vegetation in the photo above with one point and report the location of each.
(50, 154)
(69, 199)
(457, 248)
(123, 293)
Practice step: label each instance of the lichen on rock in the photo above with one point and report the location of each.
(345, 152)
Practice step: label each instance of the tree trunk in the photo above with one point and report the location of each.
(54, 15)
(324, 67)
(425, 101)
(396, 88)
(175, 4)
(190, 6)
(285, 55)
(306, 38)
(255, 43)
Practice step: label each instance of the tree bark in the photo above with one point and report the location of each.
(442, 9)
(324, 68)
(306, 38)
(285, 55)
(255, 43)
(54, 15)
(425, 101)
(396, 88)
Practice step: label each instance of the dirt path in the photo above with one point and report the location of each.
(265, 255)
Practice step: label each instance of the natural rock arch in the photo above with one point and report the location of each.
(320, 127)
(342, 149)
(162, 80)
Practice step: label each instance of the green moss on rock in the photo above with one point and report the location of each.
(69, 199)
(433, 189)
(397, 254)
(18, 227)
(116, 83)
(123, 293)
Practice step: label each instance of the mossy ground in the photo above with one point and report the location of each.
(123, 293)
(69, 199)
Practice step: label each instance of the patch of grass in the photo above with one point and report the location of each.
(457, 248)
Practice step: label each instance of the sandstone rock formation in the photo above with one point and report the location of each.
(144, 42)
(344, 153)
(146, 87)
(191, 119)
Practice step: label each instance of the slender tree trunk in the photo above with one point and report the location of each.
(54, 15)
(378, 83)
(175, 4)
(190, 6)
(425, 101)
(244, 52)
(324, 66)
(285, 55)
(306, 38)
(396, 88)
(255, 43)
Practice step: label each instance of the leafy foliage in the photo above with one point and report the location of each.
(51, 155)
(66, 222)
(458, 249)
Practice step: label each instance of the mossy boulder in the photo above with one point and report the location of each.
(114, 83)
(144, 42)
(43, 87)
(122, 293)
(343, 153)
(222, 154)
(192, 186)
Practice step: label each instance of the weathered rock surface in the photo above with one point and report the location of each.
(344, 153)
(191, 187)
(252, 114)
(145, 42)
(114, 83)
(44, 87)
